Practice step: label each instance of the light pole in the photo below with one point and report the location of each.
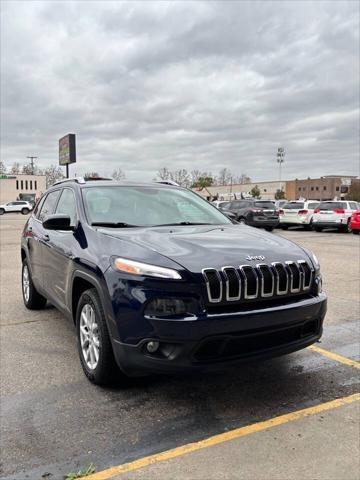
(280, 160)
(32, 164)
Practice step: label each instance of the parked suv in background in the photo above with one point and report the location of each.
(158, 280)
(297, 213)
(18, 206)
(256, 213)
(334, 214)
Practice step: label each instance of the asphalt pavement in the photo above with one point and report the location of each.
(54, 421)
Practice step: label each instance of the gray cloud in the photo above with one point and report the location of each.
(183, 84)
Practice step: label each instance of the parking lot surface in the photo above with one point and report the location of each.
(54, 421)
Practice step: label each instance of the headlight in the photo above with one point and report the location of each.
(167, 307)
(138, 268)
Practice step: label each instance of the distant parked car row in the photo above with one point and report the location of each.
(342, 215)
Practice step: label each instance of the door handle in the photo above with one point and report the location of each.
(46, 238)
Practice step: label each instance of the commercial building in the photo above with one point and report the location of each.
(21, 187)
(328, 187)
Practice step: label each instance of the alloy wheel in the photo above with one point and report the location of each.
(89, 336)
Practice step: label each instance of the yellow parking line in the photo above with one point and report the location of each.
(335, 356)
(222, 437)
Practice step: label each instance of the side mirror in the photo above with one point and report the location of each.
(58, 221)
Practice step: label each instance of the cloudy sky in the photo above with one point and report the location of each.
(183, 85)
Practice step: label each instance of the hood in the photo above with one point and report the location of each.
(198, 247)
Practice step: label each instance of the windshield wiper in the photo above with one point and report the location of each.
(113, 224)
(181, 223)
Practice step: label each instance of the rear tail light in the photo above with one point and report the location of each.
(339, 210)
(281, 211)
(317, 210)
(302, 212)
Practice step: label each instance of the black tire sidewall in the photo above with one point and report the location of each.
(2, 211)
(25, 211)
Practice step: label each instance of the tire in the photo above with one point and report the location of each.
(269, 229)
(25, 211)
(318, 229)
(103, 370)
(348, 228)
(242, 220)
(32, 298)
(2, 211)
(356, 232)
(284, 227)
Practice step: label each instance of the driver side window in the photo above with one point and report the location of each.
(67, 205)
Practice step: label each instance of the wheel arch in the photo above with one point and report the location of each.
(81, 282)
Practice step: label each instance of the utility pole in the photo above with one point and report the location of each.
(32, 164)
(280, 160)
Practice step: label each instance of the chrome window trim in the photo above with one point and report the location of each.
(263, 294)
(254, 270)
(227, 286)
(292, 289)
(301, 263)
(211, 299)
(278, 291)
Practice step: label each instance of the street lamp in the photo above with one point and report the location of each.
(280, 160)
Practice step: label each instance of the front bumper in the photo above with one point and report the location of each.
(219, 341)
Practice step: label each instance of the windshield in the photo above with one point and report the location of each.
(145, 206)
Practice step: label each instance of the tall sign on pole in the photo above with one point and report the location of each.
(67, 151)
(280, 160)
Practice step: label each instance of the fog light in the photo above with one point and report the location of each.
(152, 346)
(318, 285)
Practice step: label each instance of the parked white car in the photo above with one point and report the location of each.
(220, 203)
(334, 214)
(18, 206)
(297, 213)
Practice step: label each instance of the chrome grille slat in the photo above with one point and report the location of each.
(249, 268)
(260, 267)
(250, 282)
(226, 271)
(212, 299)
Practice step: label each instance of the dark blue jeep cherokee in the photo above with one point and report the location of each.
(158, 280)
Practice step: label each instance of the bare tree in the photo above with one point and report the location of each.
(243, 178)
(118, 174)
(27, 169)
(15, 168)
(53, 173)
(163, 174)
(2, 167)
(224, 177)
(181, 177)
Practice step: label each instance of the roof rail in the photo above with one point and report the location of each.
(168, 182)
(81, 179)
(73, 179)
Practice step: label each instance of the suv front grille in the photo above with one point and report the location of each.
(261, 281)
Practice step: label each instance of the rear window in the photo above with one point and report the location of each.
(265, 205)
(294, 206)
(331, 205)
(313, 205)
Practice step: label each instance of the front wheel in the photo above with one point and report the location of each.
(95, 349)
(32, 298)
(242, 220)
(347, 228)
(25, 211)
(355, 232)
(2, 211)
(318, 229)
(269, 229)
(284, 227)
